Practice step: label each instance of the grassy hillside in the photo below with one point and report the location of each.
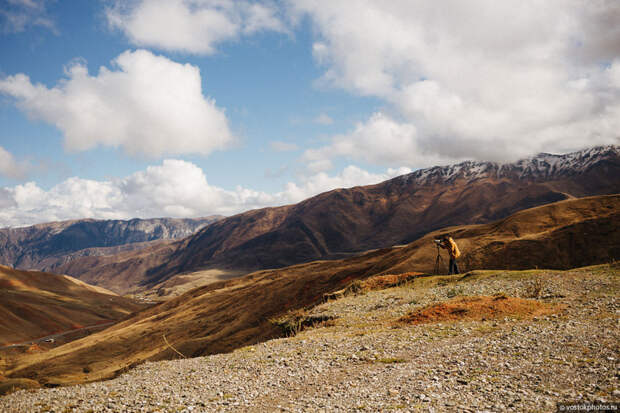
(36, 304)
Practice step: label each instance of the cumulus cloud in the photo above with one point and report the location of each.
(149, 105)
(349, 177)
(378, 140)
(17, 15)
(193, 26)
(488, 80)
(175, 188)
(10, 167)
(6, 200)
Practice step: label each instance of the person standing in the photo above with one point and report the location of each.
(453, 250)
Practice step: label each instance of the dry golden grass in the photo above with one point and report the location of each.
(389, 280)
(10, 385)
(36, 304)
(182, 283)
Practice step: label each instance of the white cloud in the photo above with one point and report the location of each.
(349, 177)
(379, 140)
(150, 105)
(324, 119)
(193, 26)
(487, 80)
(258, 17)
(17, 15)
(174, 188)
(11, 168)
(6, 200)
(280, 146)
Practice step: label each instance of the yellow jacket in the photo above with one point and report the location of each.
(452, 248)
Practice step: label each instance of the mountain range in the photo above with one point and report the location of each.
(47, 246)
(226, 315)
(344, 222)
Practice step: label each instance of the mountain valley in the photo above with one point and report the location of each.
(225, 315)
(271, 273)
(346, 222)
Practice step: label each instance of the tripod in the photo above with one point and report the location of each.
(438, 261)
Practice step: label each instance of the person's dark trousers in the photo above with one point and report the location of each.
(454, 269)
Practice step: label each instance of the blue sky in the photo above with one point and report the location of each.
(143, 108)
(265, 84)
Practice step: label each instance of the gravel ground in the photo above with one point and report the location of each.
(367, 362)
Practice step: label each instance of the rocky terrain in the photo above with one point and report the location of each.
(363, 358)
(345, 222)
(46, 247)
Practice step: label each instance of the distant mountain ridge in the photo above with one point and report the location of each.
(46, 246)
(543, 166)
(343, 222)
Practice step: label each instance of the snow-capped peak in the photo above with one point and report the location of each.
(542, 166)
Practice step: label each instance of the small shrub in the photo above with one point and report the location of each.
(453, 292)
(290, 323)
(533, 288)
(356, 287)
(296, 321)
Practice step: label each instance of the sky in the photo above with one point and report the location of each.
(184, 108)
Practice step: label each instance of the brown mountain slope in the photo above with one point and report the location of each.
(122, 272)
(562, 235)
(344, 222)
(230, 314)
(36, 304)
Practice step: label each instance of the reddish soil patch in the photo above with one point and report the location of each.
(381, 282)
(478, 308)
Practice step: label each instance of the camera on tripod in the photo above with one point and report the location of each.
(438, 259)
